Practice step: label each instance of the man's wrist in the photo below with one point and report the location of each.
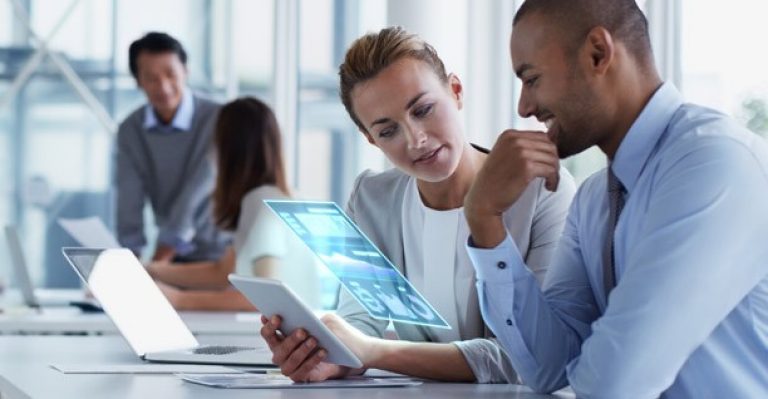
(184, 301)
(486, 231)
(175, 243)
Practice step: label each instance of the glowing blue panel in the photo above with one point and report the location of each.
(358, 264)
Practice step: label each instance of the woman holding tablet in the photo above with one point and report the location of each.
(396, 90)
(250, 170)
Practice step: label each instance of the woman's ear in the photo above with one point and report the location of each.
(457, 90)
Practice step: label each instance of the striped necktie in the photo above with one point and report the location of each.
(615, 204)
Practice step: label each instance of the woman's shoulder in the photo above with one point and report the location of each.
(254, 214)
(378, 188)
(263, 192)
(253, 199)
(372, 179)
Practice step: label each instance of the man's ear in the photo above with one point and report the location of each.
(457, 90)
(185, 76)
(601, 49)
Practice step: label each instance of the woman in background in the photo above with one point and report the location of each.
(250, 170)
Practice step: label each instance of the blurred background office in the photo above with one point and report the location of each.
(65, 84)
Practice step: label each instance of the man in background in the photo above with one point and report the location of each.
(163, 154)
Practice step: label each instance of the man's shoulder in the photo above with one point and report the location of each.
(692, 122)
(694, 127)
(206, 112)
(133, 122)
(205, 104)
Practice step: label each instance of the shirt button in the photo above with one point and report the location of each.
(509, 322)
(501, 265)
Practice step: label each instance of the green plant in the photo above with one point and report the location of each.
(755, 113)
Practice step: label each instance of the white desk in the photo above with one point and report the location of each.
(72, 321)
(25, 372)
(57, 296)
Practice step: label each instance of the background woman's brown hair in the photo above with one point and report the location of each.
(248, 155)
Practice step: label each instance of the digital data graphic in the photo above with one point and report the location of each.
(360, 267)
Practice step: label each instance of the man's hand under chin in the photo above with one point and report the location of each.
(517, 158)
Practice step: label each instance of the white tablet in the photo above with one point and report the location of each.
(271, 297)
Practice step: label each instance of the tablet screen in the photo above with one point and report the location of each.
(358, 264)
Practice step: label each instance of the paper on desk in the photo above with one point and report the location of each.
(147, 368)
(378, 373)
(276, 381)
(89, 232)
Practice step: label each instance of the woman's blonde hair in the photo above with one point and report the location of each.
(373, 52)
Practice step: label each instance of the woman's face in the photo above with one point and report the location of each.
(413, 118)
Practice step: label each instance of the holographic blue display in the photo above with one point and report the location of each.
(360, 267)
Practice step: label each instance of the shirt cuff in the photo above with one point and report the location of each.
(134, 242)
(181, 246)
(499, 264)
(487, 361)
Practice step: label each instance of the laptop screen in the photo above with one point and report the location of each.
(356, 262)
(23, 281)
(131, 299)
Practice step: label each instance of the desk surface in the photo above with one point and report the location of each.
(25, 372)
(67, 320)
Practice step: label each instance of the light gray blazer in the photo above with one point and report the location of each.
(534, 222)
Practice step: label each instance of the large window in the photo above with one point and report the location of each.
(723, 63)
(57, 131)
(328, 143)
(57, 123)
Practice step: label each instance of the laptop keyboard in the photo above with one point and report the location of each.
(220, 350)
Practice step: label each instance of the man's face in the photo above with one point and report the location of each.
(555, 87)
(163, 77)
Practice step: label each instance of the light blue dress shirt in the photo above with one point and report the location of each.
(689, 315)
(182, 119)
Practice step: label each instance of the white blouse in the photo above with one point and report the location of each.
(429, 247)
(261, 233)
(438, 264)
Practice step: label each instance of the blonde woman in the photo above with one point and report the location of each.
(396, 90)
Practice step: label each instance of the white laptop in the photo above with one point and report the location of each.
(144, 316)
(24, 282)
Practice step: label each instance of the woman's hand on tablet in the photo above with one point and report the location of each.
(298, 355)
(365, 347)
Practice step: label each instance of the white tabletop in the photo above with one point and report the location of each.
(25, 372)
(68, 320)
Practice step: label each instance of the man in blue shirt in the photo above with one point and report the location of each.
(163, 154)
(674, 229)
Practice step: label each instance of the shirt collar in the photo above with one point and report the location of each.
(182, 120)
(642, 137)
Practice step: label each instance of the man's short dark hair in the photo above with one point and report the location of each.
(622, 18)
(154, 42)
